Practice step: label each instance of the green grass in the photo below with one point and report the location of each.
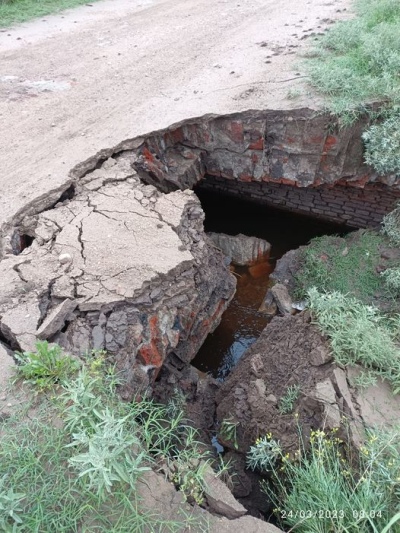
(330, 488)
(356, 63)
(74, 465)
(15, 11)
(346, 265)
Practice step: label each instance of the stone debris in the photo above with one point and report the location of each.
(268, 305)
(55, 320)
(377, 405)
(320, 356)
(241, 249)
(155, 492)
(277, 299)
(282, 298)
(286, 269)
(354, 420)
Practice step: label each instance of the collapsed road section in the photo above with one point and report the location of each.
(118, 259)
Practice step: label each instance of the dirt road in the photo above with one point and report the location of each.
(84, 80)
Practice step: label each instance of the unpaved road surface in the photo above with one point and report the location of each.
(87, 79)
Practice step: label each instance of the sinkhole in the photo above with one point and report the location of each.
(242, 323)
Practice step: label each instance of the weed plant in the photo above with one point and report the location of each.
(228, 431)
(288, 400)
(47, 367)
(328, 489)
(391, 226)
(264, 454)
(392, 280)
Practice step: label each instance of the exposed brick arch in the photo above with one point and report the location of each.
(295, 160)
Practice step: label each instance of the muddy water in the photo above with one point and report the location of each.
(241, 323)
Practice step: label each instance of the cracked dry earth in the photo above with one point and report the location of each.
(116, 267)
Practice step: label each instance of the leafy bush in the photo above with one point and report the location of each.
(391, 226)
(264, 454)
(108, 454)
(392, 280)
(382, 144)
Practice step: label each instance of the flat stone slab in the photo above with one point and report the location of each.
(220, 498)
(378, 406)
(325, 393)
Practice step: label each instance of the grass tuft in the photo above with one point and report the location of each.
(16, 11)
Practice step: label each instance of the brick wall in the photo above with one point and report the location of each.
(358, 207)
(297, 160)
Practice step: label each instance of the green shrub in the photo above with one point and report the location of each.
(264, 454)
(382, 144)
(391, 226)
(392, 280)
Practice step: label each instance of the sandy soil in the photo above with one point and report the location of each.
(75, 83)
